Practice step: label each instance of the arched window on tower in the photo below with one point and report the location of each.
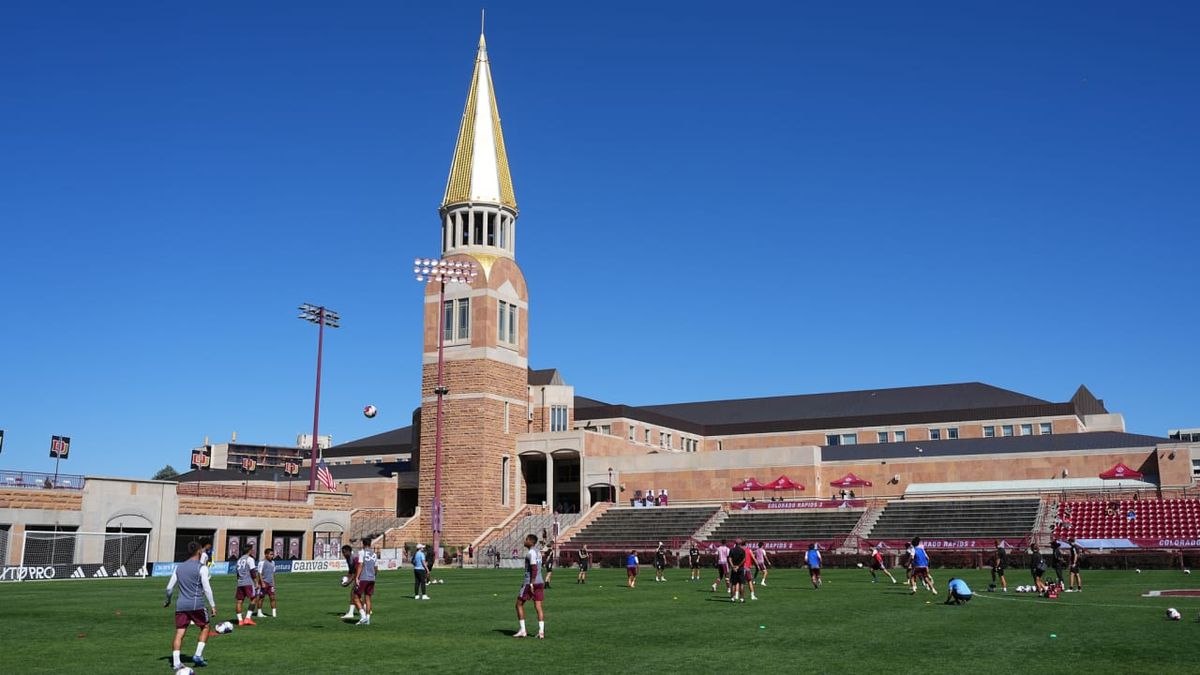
(464, 226)
(491, 229)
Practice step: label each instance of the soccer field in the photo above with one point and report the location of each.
(848, 626)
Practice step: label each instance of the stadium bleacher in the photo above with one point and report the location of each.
(1151, 519)
(787, 525)
(956, 519)
(644, 527)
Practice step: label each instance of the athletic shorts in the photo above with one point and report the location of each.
(998, 571)
(366, 588)
(244, 593)
(722, 570)
(583, 566)
(1037, 574)
(737, 576)
(660, 565)
(695, 563)
(920, 572)
(535, 592)
(267, 590)
(196, 616)
(631, 571)
(814, 572)
(876, 565)
(1074, 568)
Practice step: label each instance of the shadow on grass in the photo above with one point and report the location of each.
(504, 631)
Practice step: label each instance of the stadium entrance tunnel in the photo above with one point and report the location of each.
(553, 479)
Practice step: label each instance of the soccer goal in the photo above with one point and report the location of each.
(85, 554)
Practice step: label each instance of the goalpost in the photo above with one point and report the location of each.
(99, 555)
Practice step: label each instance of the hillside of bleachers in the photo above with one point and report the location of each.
(787, 525)
(1129, 519)
(644, 527)
(956, 519)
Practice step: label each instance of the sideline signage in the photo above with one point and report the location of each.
(801, 504)
(16, 573)
(337, 565)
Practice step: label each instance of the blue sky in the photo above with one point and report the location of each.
(717, 201)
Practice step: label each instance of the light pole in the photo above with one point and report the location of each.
(322, 317)
(441, 272)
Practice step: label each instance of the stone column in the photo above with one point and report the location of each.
(550, 481)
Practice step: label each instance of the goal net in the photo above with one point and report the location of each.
(100, 555)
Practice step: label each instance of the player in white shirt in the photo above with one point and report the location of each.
(247, 586)
(722, 566)
(533, 588)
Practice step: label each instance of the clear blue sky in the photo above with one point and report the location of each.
(718, 200)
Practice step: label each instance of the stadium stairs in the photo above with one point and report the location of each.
(512, 537)
(373, 522)
(625, 527)
(1153, 519)
(957, 519)
(787, 525)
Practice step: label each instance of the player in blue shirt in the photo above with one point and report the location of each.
(420, 574)
(920, 567)
(958, 593)
(813, 560)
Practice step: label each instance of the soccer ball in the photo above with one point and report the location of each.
(345, 581)
(1138, 571)
(1173, 614)
(370, 411)
(860, 565)
(225, 627)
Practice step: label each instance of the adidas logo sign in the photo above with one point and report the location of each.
(100, 573)
(120, 572)
(78, 573)
(142, 572)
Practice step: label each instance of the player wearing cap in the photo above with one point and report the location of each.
(532, 589)
(247, 582)
(192, 579)
(813, 560)
(660, 563)
(420, 573)
(722, 566)
(694, 561)
(364, 581)
(352, 569)
(266, 581)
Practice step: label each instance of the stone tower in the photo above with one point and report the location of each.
(484, 332)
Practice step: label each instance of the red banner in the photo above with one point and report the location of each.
(800, 504)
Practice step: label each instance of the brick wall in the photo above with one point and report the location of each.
(50, 500)
(199, 506)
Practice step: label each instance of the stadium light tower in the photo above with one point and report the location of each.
(323, 317)
(441, 272)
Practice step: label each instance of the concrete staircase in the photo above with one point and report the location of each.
(598, 509)
(865, 525)
(373, 522)
(711, 525)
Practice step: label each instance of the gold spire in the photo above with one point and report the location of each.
(480, 172)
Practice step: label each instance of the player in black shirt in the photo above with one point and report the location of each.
(585, 561)
(999, 558)
(1075, 582)
(660, 563)
(737, 565)
(694, 560)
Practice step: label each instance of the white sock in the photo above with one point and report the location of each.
(178, 663)
(541, 626)
(239, 616)
(272, 611)
(522, 626)
(351, 610)
(199, 648)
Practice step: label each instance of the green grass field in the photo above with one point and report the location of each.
(848, 626)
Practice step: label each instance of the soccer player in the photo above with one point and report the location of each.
(266, 581)
(631, 569)
(958, 592)
(548, 561)
(920, 565)
(1037, 567)
(999, 562)
(191, 576)
(660, 563)
(748, 569)
(694, 560)
(813, 560)
(1073, 579)
(722, 566)
(585, 561)
(532, 589)
(206, 553)
(247, 581)
(352, 569)
(420, 574)
(1058, 560)
(761, 563)
(877, 565)
(737, 562)
(906, 561)
(364, 581)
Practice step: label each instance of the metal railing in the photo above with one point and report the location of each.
(38, 480)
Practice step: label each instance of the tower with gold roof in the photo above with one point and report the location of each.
(484, 328)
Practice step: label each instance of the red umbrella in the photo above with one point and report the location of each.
(748, 485)
(850, 481)
(783, 483)
(1119, 471)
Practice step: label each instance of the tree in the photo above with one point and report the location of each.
(168, 472)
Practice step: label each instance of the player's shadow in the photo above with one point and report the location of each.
(505, 631)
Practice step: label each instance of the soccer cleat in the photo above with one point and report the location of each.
(753, 596)
(199, 662)
(241, 621)
(250, 622)
(520, 634)
(764, 583)
(416, 597)
(261, 615)
(364, 621)
(348, 615)
(424, 597)
(541, 636)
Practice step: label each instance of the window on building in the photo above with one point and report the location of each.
(478, 229)
(935, 434)
(1045, 428)
(720, 446)
(504, 480)
(901, 436)
(512, 324)
(667, 441)
(1195, 468)
(647, 437)
(464, 226)
(989, 432)
(881, 436)
(463, 329)
(558, 418)
(491, 229)
(951, 432)
(833, 439)
(849, 439)
(502, 322)
(606, 429)
(1006, 430)
(506, 416)
(632, 433)
(448, 321)
(1026, 429)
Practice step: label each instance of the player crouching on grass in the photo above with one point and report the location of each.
(266, 581)
(533, 588)
(631, 569)
(192, 579)
(247, 582)
(352, 569)
(958, 593)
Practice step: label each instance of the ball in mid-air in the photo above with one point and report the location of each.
(370, 412)
(1173, 614)
(860, 565)
(345, 581)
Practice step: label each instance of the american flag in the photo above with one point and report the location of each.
(324, 477)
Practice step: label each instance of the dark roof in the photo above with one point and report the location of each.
(544, 378)
(388, 442)
(1095, 440)
(872, 407)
